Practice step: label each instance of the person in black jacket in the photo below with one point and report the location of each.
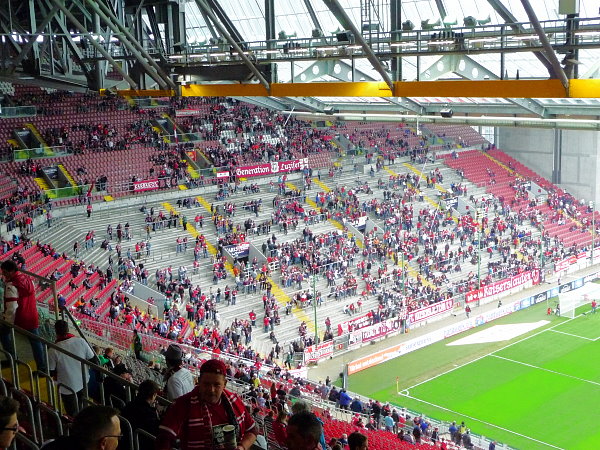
(141, 412)
(113, 388)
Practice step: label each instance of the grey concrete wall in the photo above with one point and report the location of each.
(580, 153)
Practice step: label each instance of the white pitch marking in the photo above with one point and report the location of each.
(546, 370)
(574, 335)
(484, 422)
(487, 354)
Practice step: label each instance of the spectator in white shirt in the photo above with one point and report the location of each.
(179, 380)
(66, 369)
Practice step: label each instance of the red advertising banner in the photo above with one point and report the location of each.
(272, 168)
(501, 286)
(315, 353)
(565, 263)
(355, 324)
(146, 185)
(375, 331)
(374, 359)
(421, 314)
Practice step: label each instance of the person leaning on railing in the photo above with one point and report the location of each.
(20, 308)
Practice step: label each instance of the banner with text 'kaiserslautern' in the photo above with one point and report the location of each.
(145, 185)
(532, 277)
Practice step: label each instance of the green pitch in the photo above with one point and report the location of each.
(524, 392)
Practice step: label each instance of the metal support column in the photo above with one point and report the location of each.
(270, 34)
(314, 302)
(395, 25)
(557, 157)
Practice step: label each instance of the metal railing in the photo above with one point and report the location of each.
(32, 403)
(41, 152)
(17, 111)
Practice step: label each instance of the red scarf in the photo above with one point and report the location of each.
(64, 338)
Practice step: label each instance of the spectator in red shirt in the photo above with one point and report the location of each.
(199, 418)
(20, 308)
(280, 428)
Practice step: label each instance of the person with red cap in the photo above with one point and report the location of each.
(210, 417)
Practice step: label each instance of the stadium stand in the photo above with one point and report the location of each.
(414, 252)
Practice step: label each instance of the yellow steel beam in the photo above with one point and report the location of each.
(584, 88)
(443, 88)
(484, 88)
(224, 90)
(140, 92)
(335, 89)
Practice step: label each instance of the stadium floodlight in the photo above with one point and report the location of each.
(426, 25)
(408, 26)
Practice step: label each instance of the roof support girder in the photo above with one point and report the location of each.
(558, 70)
(466, 67)
(202, 4)
(461, 65)
(66, 35)
(408, 104)
(310, 103)
(267, 102)
(133, 45)
(313, 15)
(508, 17)
(27, 47)
(217, 11)
(339, 69)
(337, 10)
(531, 105)
(93, 42)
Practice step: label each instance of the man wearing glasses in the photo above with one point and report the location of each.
(96, 427)
(9, 425)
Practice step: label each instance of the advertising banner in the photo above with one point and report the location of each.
(271, 168)
(315, 353)
(222, 174)
(565, 263)
(372, 332)
(541, 297)
(146, 185)
(187, 112)
(532, 277)
(421, 314)
(451, 203)
(435, 336)
(356, 323)
(239, 250)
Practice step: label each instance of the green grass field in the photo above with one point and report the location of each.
(523, 392)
